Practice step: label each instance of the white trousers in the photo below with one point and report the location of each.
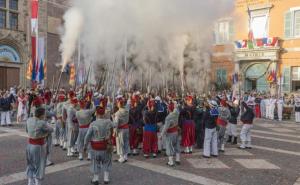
(279, 112)
(271, 111)
(246, 133)
(267, 111)
(210, 142)
(231, 130)
(297, 116)
(5, 118)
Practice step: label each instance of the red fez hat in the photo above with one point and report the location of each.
(61, 97)
(74, 101)
(100, 110)
(189, 98)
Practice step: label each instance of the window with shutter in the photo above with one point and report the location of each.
(216, 33)
(297, 23)
(286, 85)
(231, 31)
(288, 25)
(224, 76)
(223, 32)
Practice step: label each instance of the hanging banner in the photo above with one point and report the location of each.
(34, 39)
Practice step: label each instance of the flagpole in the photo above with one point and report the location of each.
(58, 84)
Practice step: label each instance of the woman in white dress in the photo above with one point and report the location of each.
(22, 109)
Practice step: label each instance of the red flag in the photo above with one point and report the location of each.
(259, 42)
(273, 41)
(34, 9)
(34, 17)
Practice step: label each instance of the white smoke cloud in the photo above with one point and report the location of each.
(72, 29)
(159, 36)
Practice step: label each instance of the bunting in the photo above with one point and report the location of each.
(257, 43)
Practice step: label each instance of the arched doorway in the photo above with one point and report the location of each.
(255, 77)
(10, 64)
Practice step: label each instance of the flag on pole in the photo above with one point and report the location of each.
(33, 58)
(29, 70)
(250, 34)
(34, 17)
(41, 75)
(40, 68)
(34, 40)
(72, 74)
(80, 74)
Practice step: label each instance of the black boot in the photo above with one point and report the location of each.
(234, 141)
(229, 139)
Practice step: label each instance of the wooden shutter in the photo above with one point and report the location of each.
(297, 23)
(217, 33)
(231, 31)
(12, 77)
(224, 76)
(288, 24)
(286, 85)
(3, 78)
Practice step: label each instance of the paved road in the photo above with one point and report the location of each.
(274, 160)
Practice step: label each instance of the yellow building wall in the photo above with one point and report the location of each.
(276, 29)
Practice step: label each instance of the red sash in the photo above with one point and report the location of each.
(172, 130)
(123, 126)
(84, 126)
(40, 141)
(99, 145)
(247, 122)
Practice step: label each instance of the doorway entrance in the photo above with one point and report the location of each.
(9, 77)
(255, 78)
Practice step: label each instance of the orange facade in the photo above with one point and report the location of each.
(274, 27)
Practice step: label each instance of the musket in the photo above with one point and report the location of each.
(83, 92)
(112, 75)
(58, 85)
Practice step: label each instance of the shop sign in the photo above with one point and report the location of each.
(256, 55)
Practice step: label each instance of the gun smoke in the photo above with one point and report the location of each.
(157, 44)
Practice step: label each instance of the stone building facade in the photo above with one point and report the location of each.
(14, 42)
(15, 39)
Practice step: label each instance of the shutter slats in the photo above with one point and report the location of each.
(297, 23)
(288, 25)
(286, 79)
